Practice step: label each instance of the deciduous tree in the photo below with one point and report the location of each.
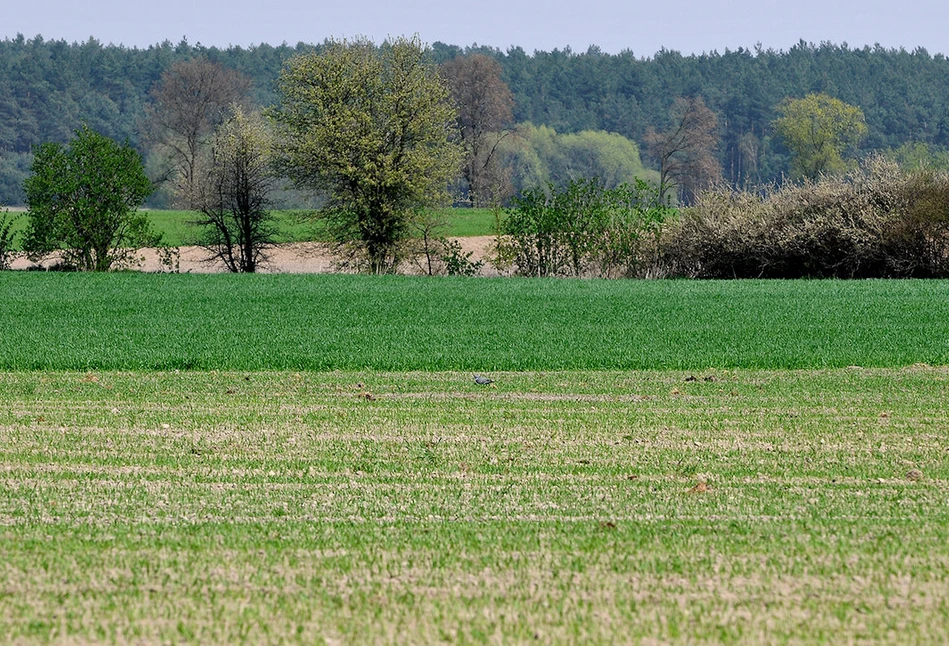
(538, 155)
(233, 197)
(83, 200)
(485, 114)
(372, 129)
(819, 130)
(192, 98)
(686, 151)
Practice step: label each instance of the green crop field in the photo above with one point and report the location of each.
(177, 227)
(463, 223)
(134, 321)
(357, 507)
(306, 459)
(298, 226)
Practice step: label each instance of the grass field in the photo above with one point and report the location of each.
(327, 322)
(356, 507)
(292, 226)
(662, 461)
(177, 228)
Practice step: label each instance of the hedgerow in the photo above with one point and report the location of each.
(877, 221)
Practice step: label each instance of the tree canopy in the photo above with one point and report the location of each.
(539, 155)
(686, 151)
(83, 200)
(819, 130)
(485, 115)
(192, 98)
(373, 130)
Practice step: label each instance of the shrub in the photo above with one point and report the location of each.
(458, 262)
(432, 252)
(878, 221)
(917, 244)
(582, 229)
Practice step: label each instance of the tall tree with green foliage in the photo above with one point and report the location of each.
(373, 130)
(83, 200)
(819, 130)
(233, 198)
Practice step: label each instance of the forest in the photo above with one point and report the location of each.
(48, 89)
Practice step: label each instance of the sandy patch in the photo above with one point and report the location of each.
(292, 258)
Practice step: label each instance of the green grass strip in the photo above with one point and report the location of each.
(177, 227)
(329, 322)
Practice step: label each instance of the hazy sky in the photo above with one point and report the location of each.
(640, 26)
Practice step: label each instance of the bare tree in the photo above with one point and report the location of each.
(485, 113)
(233, 196)
(191, 99)
(686, 152)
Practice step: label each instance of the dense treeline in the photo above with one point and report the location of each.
(50, 88)
(902, 93)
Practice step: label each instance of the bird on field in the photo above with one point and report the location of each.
(483, 381)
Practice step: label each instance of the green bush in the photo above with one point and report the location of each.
(83, 201)
(582, 229)
(458, 262)
(877, 221)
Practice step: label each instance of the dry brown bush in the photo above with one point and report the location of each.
(877, 221)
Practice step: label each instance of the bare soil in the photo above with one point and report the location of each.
(292, 258)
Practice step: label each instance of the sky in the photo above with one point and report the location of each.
(642, 27)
